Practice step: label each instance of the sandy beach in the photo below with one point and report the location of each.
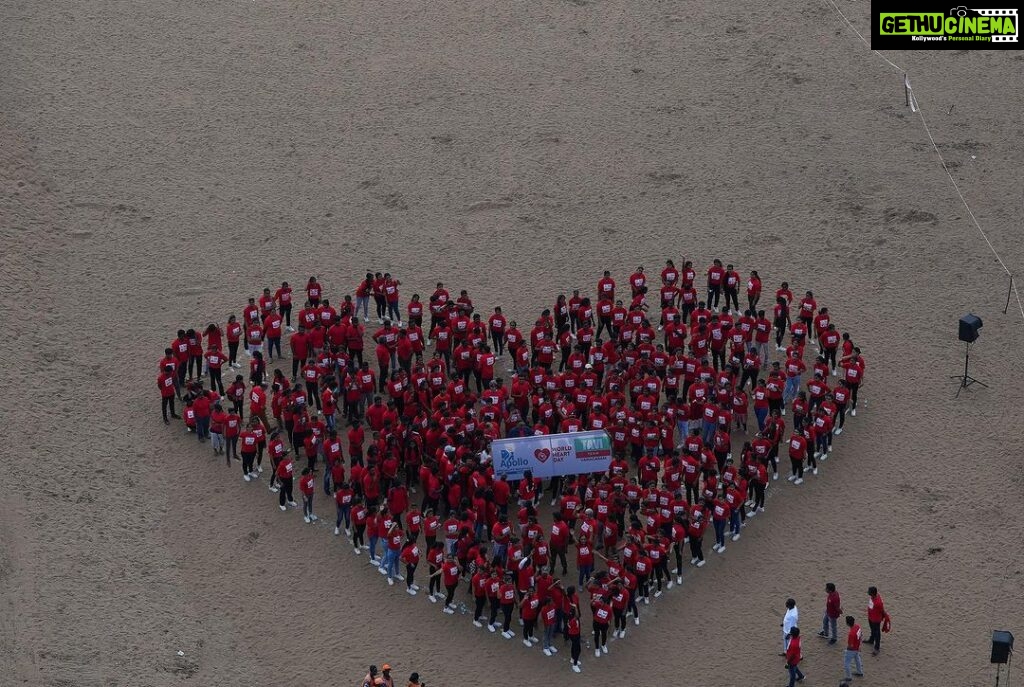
(160, 162)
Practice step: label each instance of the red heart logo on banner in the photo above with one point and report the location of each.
(542, 454)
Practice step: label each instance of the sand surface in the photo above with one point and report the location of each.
(159, 161)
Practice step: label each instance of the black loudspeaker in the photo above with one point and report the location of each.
(1002, 646)
(969, 326)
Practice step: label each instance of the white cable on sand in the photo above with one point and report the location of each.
(915, 106)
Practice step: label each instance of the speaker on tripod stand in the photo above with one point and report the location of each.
(1002, 651)
(968, 333)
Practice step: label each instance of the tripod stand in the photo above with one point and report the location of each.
(965, 379)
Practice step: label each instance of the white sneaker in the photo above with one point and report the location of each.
(313, 518)
(815, 471)
(657, 594)
(293, 504)
(604, 648)
(552, 503)
(670, 584)
(348, 532)
(366, 547)
(415, 587)
(534, 640)
(636, 620)
(854, 412)
(693, 561)
(622, 634)
(306, 519)
(761, 509)
(391, 582)
(575, 667)
(259, 469)
(775, 476)
(526, 643)
(839, 430)
(336, 531)
(735, 537)
(552, 649)
(647, 601)
(700, 564)
(721, 549)
(274, 489)
(547, 652)
(508, 634)
(433, 599)
(783, 412)
(597, 653)
(410, 591)
(798, 481)
(679, 579)
(358, 551)
(829, 451)
(490, 628)
(477, 623)
(448, 611)
(382, 570)
(247, 478)
(374, 560)
(283, 508)
(751, 513)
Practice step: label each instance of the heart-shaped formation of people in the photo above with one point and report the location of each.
(416, 428)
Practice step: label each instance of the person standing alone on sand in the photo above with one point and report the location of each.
(833, 609)
(876, 614)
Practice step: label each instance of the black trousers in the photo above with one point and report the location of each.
(286, 313)
(247, 461)
(478, 609)
(232, 352)
(167, 403)
(600, 634)
(285, 494)
(876, 635)
(215, 381)
(574, 651)
(733, 296)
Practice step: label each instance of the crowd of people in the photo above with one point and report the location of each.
(391, 417)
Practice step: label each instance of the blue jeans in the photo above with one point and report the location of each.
(373, 546)
(791, 389)
(391, 562)
(498, 552)
(364, 303)
(734, 520)
(852, 657)
(829, 624)
(343, 514)
(794, 675)
(709, 431)
(585, 572)
(683, 427)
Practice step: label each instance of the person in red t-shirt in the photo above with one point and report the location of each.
(307, 485)
(876, 614)
(852, 653)
(793, 657)
(833, 609)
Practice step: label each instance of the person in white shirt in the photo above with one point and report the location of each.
(789, 621)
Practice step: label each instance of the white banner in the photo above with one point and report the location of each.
(549, 455)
